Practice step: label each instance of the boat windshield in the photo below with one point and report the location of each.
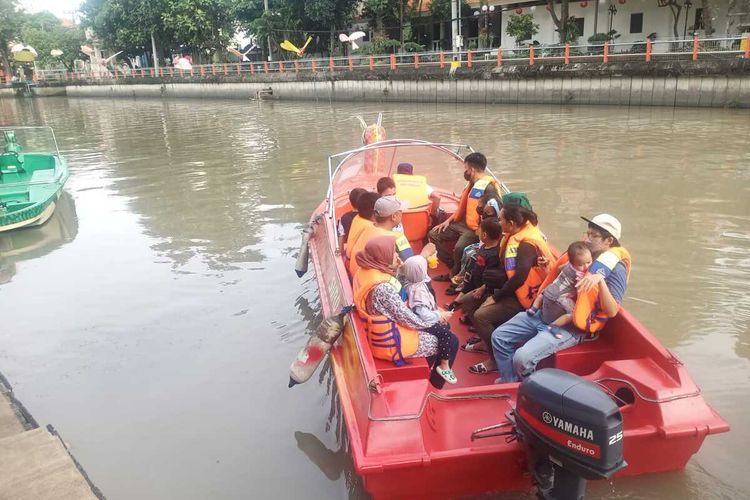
(40, 140)
(441, 164)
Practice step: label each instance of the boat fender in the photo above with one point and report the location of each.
(304, 252)
(309, 358)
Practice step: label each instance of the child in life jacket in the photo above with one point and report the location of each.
(488, 208)
(479, 279)
(420, 298)
(559, 298)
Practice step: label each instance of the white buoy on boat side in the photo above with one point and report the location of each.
(309, 358)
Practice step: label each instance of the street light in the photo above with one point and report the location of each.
(688, 5)
(612, 13)
(487, 10)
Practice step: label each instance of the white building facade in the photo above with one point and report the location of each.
(633, 20)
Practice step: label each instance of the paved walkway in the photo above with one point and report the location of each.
(34, 463)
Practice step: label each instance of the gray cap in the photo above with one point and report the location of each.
(389, 205)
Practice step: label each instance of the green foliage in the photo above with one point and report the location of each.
(10, 24)
(522, 27)
(571, 32)
(600, 38)
(441, 9)
(45, 32)
(127, 24)
(207, 24)
(379, 46)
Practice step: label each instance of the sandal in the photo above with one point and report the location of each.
(448, 375)
(473, 339)
(452, 306)
(481, 369)
(442, 277)
(451, 291)
(475, 347)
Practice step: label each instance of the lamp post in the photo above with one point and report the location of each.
(612, 13)
(688, 5)
(486, 11)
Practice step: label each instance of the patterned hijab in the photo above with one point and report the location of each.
(378, 254)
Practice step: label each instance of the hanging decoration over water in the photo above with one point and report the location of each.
(352, 38)
(289, 46)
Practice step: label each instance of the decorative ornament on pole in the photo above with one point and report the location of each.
(519, 11)
(584, 4)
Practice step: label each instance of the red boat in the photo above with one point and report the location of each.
(410, 440)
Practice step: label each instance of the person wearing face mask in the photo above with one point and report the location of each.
(394, 332)
(599, 294)
(461, 227)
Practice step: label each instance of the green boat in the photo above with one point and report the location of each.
(32, 176)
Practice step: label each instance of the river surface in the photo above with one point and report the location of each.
(153, 319)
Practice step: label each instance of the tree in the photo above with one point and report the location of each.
(561, 23)
(45, 32)
(522, 27)
(206, 24)
(330, 14)
(10, 24)
(127, 25)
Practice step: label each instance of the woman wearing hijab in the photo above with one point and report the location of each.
(393, 330)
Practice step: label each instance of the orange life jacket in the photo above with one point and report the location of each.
(359, 224)
(530, 234)
(387, 339)
(402, 244)
(587, 314)
(467, 207)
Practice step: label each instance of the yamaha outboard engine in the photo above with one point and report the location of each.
(571, 430)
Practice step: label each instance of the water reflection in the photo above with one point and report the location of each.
(35, 242)
(186, 309)
(332, 463)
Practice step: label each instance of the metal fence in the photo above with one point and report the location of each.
(661, 50)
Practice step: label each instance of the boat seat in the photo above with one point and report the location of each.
(416, 224)
(582, 359)
(416, 368)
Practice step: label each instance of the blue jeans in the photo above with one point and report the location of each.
(513, 362)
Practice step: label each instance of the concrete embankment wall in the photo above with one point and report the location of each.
(709, 83)
(704, 91)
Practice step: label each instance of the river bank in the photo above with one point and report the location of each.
(723, 83)
(35, 462)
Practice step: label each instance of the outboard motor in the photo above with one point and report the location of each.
(571, 430)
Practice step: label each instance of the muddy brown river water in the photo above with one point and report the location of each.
(153, 319)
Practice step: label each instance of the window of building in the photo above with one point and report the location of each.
(579, 25)
(698, 19)
(636, 23)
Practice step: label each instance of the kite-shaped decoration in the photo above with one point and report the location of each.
(287, 45)
(241, 55)
(352, 38)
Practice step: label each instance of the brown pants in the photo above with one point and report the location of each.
(486, 316)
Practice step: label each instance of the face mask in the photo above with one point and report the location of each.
(467, 175)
